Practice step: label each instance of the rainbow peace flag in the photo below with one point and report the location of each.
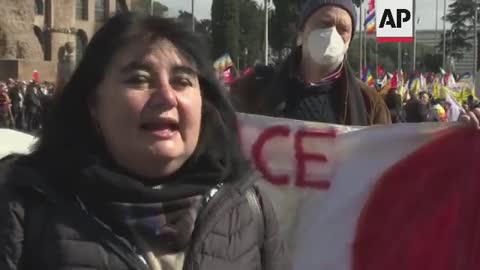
(368, 78)
(370, 22)
(370, 19)
(223, 63)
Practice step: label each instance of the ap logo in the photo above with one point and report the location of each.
(394, 20)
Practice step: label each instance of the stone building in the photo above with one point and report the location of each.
(46, 35)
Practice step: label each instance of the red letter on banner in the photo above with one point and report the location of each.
(303, 157)
(257, 155)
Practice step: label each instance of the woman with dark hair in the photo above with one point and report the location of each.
(138, 166)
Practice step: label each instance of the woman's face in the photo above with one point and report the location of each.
(148, 108)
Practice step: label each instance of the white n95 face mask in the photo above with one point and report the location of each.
(326, 47)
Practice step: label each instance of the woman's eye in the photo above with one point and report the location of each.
(138, 79)
(182, 82)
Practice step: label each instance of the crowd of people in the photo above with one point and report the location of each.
(424, 107)
(23, 104)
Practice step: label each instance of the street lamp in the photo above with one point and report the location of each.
(414, 62)
(266, 2)
(245, 61)
(452, 32)
(444, 32)
(475, 40)
(193, 15)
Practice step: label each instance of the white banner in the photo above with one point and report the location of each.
(387, 197)
(395, 197)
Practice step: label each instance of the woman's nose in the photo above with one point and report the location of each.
(163, 94)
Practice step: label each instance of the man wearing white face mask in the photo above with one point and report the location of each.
(316, 83)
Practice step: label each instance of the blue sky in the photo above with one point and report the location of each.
(425, 10)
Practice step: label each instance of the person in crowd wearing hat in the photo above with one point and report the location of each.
(315, 83)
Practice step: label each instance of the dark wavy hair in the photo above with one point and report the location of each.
(69, 134)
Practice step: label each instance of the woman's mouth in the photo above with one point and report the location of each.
(163, 129)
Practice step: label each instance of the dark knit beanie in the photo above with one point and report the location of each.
(312, 6)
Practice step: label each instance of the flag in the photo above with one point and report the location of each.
(457, 95)
(371, 81)
(411, 81)
(440, 113)
(380, 71)
(384, 81)
(223, 63)
(390, 197)
(415, 89)
(453, 113)
(371, 5)
(423, 81)
(466, 92)
(394, 82)
(228, 76)
(448, 80)
(370, 24)
(401, 78)
(402, 91)
(466, 78)
(368, 78)
(248, 71)
(36, 76)
(442, 71)
(338, 209)
(436, 90)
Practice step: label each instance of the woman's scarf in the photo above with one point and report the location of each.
(156, 219)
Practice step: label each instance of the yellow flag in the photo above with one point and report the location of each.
(466, 92)
(416, 87)
(401, 91)
(436, 91)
